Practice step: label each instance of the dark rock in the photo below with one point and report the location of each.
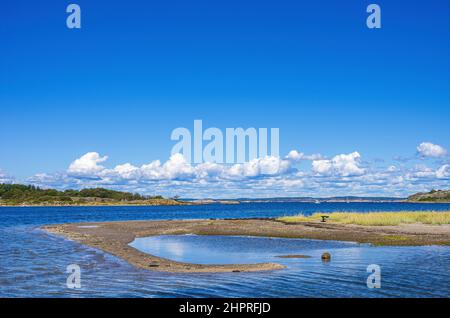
(153, 264)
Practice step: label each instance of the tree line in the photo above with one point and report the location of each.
(20, 194)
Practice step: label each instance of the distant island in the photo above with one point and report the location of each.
(29, 195)
(434, 196)
(442, 196)
(323, 200)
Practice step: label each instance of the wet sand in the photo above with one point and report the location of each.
(114, 237)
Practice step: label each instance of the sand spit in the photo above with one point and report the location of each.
(114, 237)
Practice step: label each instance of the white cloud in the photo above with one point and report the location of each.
(262, 177)
(296, 156)
(322, 166)
(428, 149)
(87, 164)
(443, 172)
(341, 165)
(152, 171)
(209, 170)
(425, 172)
(127, 171)
(175, 168)
(422, 171)
(5, 178)
(267, 166)
(176, 174)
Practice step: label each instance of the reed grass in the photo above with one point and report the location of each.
(375, 218)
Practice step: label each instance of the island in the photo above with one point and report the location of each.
(434, 196)
(30, 195)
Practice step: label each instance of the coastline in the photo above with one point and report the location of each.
(114, 237)
(178, 203)
(202, 202)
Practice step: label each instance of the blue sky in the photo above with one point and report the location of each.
(138, 69)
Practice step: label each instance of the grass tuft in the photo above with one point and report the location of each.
(375, 218)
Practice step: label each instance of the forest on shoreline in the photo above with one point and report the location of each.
(19, 194)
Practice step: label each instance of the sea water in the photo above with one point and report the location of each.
(33, 263)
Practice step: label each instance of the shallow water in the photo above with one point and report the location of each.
(33, 263)
(404, 269)
(231, 249)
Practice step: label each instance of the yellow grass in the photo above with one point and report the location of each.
(377, 219)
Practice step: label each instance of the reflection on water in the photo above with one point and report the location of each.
(33, 263)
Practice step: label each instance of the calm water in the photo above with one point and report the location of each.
(33, 263)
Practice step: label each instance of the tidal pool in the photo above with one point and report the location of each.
(422, 271)
(232, 249)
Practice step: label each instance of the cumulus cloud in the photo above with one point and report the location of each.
(341, 165)
(175, 168)
(88, 164)
(428, 149)
(175, 175)
(296, 156)
(127, 171)
(423, 171)
(267, 166)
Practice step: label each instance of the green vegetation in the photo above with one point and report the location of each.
(18, 194)
(432, 196)
(376, 219)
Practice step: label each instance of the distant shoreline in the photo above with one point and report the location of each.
(12, 195)
(207, 202)
(179, 203)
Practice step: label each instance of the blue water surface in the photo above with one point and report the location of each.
(33, 263)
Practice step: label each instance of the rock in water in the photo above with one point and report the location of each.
(326, 257)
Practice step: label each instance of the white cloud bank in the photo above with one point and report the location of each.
(176, 168)
(428, 149)
(296, 174)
